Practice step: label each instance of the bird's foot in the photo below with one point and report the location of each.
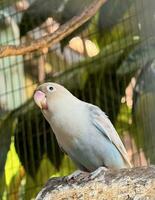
(95, 173)
(74, 175)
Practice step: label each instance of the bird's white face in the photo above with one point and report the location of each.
(50, 95)
(43, 94)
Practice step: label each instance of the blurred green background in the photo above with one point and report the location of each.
(108, 61)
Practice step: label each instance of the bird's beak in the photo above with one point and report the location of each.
(40, 99)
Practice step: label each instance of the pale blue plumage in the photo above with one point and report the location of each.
(96, 148)
(82, 130)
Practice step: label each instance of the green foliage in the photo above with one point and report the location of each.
(7, 129)
(144, 110)
(6, 3)
(117, 9)
(2, 185)
(123, 118)
(144, 131)
(138, 57)
(5, 140)
(114, 23)
(101, 80)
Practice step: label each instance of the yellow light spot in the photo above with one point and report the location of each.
(84, 46)
(12, 164)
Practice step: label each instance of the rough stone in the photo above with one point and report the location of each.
(126, 184)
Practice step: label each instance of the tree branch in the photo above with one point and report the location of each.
(51, 39)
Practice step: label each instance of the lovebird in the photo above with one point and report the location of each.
(83, 130)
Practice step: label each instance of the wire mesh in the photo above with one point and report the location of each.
(108, 62)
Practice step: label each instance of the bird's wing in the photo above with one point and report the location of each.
(103, 124)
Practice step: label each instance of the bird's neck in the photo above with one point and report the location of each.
(62, 107)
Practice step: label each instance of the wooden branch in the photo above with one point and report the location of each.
(136, 183)
(51, 39)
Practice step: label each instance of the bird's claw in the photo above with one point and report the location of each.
(74, 175)
(97, 171)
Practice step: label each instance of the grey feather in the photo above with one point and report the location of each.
(103, 124)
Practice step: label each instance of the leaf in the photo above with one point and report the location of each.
(7, 125)
(111, 13)
(144, 110)
(6, 128)
(144, 115)
(15, 184)
(115, 22)
(2, 185)
(138, 57)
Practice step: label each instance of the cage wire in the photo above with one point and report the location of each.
(108, 62)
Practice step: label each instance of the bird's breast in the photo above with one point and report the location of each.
(70, 126)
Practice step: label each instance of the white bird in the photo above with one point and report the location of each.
(83, 131)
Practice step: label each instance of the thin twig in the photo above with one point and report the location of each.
(51, 39)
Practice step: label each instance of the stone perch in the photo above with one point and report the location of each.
(126, 184)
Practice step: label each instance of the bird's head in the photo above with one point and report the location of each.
(50, 95)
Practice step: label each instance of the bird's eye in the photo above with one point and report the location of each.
(50, 88)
